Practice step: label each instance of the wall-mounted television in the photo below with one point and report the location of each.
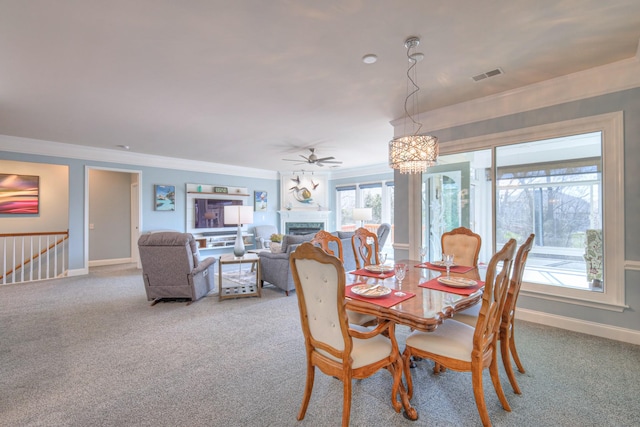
(209, 213)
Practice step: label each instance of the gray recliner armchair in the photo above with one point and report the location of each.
(172, 268)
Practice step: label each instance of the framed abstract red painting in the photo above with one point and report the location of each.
(19, 194)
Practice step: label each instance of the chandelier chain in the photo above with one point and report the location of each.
(415, 90)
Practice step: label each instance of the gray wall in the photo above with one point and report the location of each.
(627, 101)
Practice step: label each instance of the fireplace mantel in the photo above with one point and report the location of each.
(303, 216)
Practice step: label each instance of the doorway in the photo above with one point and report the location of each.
(112, 216)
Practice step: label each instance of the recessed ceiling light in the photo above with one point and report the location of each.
(124, 147)
(369, 58)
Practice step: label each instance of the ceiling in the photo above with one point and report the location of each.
(251, 82)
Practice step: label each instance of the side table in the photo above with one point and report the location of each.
(239, 286)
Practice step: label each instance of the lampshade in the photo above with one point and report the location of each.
(238, 215)
(362, 214)
(413, 153)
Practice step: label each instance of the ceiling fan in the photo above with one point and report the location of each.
(313, 159)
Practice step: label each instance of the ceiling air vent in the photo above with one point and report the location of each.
(488, 74)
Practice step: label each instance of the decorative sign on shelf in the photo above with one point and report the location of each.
(221, 190)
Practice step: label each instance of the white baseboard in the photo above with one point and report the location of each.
(101, 262)
(590, 328)
(77, 272)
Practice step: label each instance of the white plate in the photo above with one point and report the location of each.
(370, 291)
(440, 263)
(457, 282)
(378, 269)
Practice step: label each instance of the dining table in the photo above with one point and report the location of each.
(420, 301)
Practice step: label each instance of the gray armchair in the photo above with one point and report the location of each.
(275, 267)
(383, 233)
(172, 268)
(263, 235)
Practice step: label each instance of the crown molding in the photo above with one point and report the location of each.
(361, 171)
(80, 152)
(610, 78)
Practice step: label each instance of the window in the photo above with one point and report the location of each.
(561, 181)
(553, 188)
(375, 195)
(346, 202)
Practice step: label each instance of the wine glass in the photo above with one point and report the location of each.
(401, 271)
(382, 257)
(423, 253)
(448, 262)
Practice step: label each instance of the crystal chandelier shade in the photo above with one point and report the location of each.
(413, 154)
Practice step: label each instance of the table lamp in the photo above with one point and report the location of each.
(362, 215)
(239, 215)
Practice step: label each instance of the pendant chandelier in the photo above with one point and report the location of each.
(412, 153)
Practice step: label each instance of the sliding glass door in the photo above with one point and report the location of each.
(454, 194)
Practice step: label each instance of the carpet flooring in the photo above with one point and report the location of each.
(91, 351)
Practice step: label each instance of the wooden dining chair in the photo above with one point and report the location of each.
(343, 351)
(365, 247)
(326, 240)
(464, 244)
(506, 336)
(460, 347)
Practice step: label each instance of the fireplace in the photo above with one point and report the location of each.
(303, 221)
(303, 227)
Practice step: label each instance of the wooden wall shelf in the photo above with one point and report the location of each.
(217, 194)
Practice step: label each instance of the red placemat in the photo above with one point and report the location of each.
(385, 301)
(455, 269)
(434, 284)
(363, 272)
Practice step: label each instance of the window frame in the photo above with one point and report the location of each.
(612, 127)
(383, 184)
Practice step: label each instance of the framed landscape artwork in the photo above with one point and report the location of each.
(260, 201)
(165, 198)
(19, 194)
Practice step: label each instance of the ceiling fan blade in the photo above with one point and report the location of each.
(325, 159)
(291, 160)
(331, 161)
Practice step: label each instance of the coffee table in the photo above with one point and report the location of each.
(236, 285)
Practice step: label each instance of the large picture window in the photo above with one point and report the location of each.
(557, 181)
(553, 188)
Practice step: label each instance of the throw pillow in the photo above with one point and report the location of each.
(295, 239)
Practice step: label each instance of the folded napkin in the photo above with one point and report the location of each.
(385, 301)
(363, 272)
(455, 269)
(434, 284)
